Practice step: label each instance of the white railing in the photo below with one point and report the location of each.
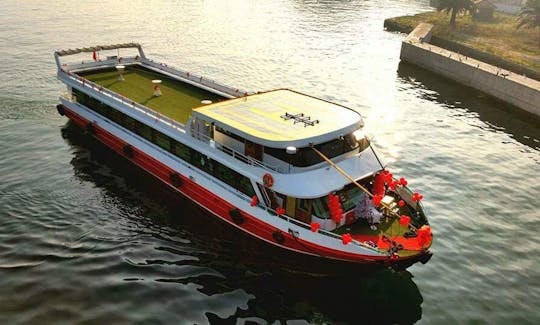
(232, 152)
(85, 83)
(107, 63)
(196, 79)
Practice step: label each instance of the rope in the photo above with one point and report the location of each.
(343, 172)
(349, 177)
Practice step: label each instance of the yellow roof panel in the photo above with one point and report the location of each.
(281, 118)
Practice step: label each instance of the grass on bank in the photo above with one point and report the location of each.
(498, 37)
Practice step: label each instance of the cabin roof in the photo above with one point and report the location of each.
(282, 118)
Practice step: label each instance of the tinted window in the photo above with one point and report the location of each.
(307, 157)
(180, 150)
(163, 141)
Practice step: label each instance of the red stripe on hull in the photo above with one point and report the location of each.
(218, 206)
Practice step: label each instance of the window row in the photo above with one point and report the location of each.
(188, 154)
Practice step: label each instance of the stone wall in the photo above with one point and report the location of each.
(515, 89)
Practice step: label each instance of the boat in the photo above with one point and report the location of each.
(289, 169)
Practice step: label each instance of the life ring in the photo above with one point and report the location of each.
(278, 237)
(236, 216)
(60, 109)
(268, 180)
(176, 181)
(128, 151)
(89, 128)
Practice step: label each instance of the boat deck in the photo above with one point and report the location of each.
(177, 99)
(388, 229)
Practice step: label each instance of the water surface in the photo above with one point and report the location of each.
(85, 237)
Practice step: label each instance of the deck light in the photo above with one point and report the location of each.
(157, 91)
(120, 69)
(291, 150)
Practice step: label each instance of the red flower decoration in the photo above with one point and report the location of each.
(377, 200)
(404, 220)
(315, 226)
(337, 217)
(346, 238)
(423, 235)
(417, 197)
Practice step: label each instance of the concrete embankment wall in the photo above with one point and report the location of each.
(515, 89)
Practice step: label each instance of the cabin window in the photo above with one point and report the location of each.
(129, 122)
(201, 161)
(303, 205)
(180, 150)
(363, 143)
(232, 135)
(234, 179)
(163, 141)
(245, 186)
(79, 96)
(320, 208)
(102, 109)
(117, 117)
(349, 196)
(225, 174)
(253, 150)
(307, 157)
(143, 130)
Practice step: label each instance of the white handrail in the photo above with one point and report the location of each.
(235, 154)
(124, 100)
(195, 78)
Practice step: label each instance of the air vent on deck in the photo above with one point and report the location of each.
(300, 118)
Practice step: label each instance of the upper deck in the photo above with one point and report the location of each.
(282, 118)
(177, 99)
(257, 129)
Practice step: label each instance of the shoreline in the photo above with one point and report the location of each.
(394, 25)
(515, 89)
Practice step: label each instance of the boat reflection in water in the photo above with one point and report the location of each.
(279, 286)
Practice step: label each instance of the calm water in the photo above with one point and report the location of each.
(85, 238)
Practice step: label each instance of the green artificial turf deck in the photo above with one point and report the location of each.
(177, 100)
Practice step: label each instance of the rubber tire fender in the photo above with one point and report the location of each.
(176, 180)
(60, 109)
(128, 151)
(236, 216)
(278, 237)
(89, 128)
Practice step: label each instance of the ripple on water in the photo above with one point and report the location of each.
(82, 239)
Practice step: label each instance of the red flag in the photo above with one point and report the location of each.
(94, 56)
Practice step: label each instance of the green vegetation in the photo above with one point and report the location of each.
(530, 14)
(497, 37)
(176, 102)
(454, 7)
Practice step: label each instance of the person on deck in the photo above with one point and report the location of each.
(366, 210)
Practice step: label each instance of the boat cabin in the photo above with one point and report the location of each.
(278, 128)
(278, 131)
